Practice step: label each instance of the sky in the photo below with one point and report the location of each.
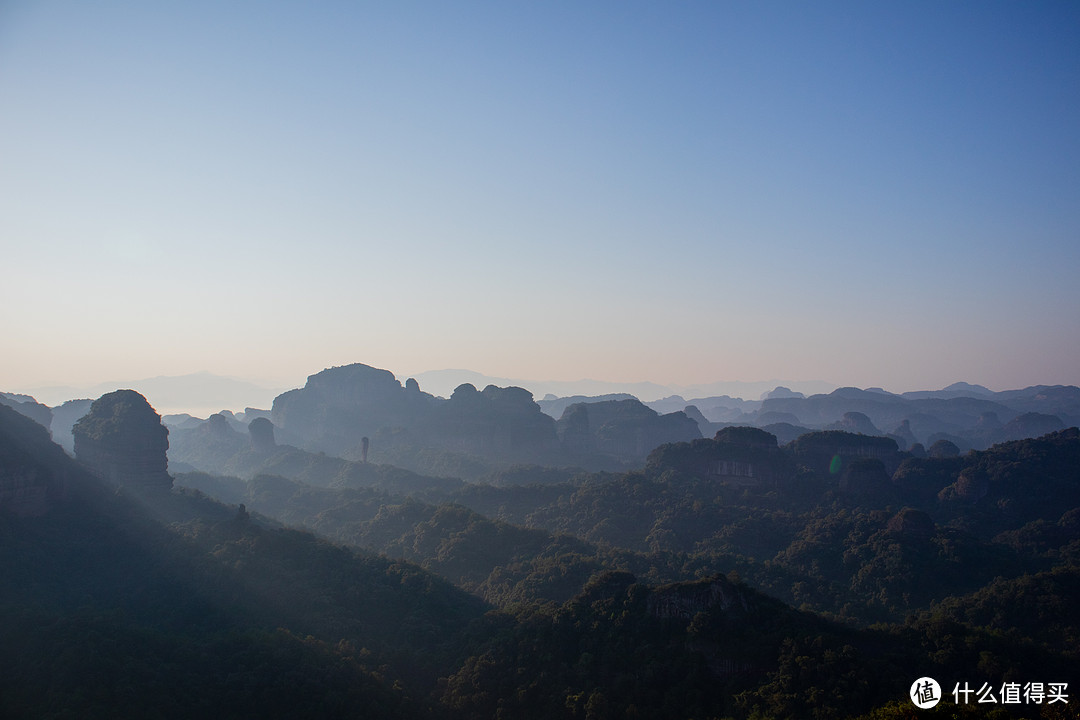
(872, 194)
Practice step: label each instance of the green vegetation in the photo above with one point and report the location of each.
(730, 578)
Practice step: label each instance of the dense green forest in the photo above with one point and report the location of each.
(728, 578)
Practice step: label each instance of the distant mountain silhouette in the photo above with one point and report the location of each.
(623, 430)
(200, 393)
(958, 389)
(28, 406)
(443, 383)
(556, 406)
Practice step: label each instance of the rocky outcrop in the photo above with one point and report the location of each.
(750, 437)
(339, 406)
(123, 441)
(503, 423)
(744, 456)
(855, 422)
(627, 430)
(903, 435)
(943, 449)
(261, 431)
(830, 451)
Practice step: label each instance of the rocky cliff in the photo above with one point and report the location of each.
(624, 429)
(829, 452)
(339, 406)
(122, 440)
(745, 456)
(496, 422)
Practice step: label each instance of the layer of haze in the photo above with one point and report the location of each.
(862, 193)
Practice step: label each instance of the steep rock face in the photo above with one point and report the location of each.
(33, 470)
(575, 432)
(749, 436)
(624, 429)
(261, 431)
(830, 451)
(496, 422)
(339, 406)
(855, 422)
(903, 435)
(745, 456)
(122, 440)
(705, 427)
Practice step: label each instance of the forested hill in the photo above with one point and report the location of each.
(125, 600)
(119, 605)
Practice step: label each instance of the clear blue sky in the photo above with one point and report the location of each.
(873, 194)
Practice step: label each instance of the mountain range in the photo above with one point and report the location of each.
(728, 576)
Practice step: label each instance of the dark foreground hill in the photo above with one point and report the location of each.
(116, 604)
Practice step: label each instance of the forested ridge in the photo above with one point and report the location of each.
(664, 592)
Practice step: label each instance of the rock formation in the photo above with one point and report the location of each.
(855, 422)
(624, 429)
(340, 405)
(745, 456)
(262, 435)
(123, 441)
(497, 422)
(828, 452)
(903, 435)
(943, 449)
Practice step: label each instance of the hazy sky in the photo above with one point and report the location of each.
(866, 193)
